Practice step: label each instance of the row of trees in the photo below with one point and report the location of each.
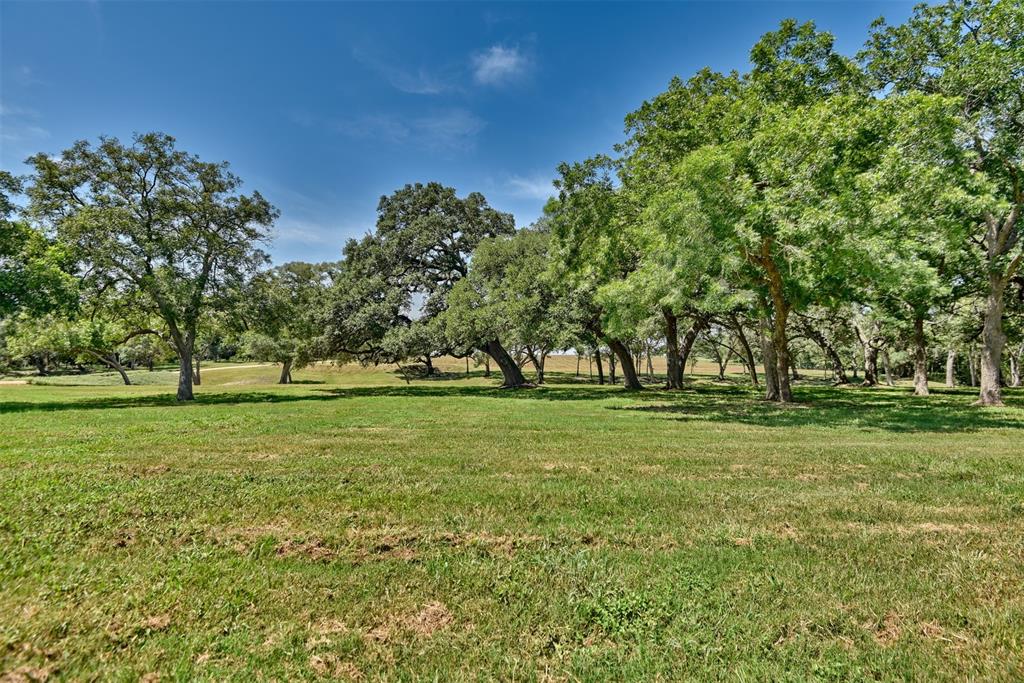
(843, 210)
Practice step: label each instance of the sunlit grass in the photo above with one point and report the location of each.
(358, 525)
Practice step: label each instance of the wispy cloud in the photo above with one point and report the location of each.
(417, 81)
(373, 126)
(453, 130)
(498, 65)
(533, 187)
(26, 76)
(447, 131)
(306, 233)
(19, 125)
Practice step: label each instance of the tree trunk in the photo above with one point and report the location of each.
(429, 364)
(577, 364)
(1015, 366)
(612, 364)
(888, 368)
(197, 377)
(870, 366)
(286, 372)
(487, 366)
(629, 377)
(185, 371)
(771, 372)
(539, 365)
(779, 341)
(120, 370)
(512, 376)
(921, 359)
(699, 323)
(781, 348)
(830, 352)
(747, 351)
(992, 341)
(672, 358)
(972, 368)
(951, 368)
(600, 366)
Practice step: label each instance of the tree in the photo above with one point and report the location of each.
(154, 220)
(281, 315)
(34, 271)
(509, 295)
(593, 247)
(396, 280)
(972, 50)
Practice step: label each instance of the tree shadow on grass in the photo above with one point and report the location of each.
(825, 406)
(338, 393)
(817, 406)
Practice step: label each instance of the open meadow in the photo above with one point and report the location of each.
(354, 526)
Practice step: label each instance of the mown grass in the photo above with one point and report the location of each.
(357, 526)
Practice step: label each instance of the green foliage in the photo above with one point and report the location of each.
(154, 223)
(396, 281)
(34, 271)
(281, 310)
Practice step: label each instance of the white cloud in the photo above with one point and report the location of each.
(534, 187)
(498, 65)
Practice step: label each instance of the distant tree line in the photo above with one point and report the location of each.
(859, 214)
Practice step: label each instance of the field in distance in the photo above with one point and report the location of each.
(352, 525)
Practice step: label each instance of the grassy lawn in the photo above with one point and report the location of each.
(355, 526)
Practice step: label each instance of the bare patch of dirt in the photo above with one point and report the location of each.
(433, 617)
(26, 674)
(889, 631)
(330, 626)
(330, 665)
(914, 529)
(787, 531)
(312, 549)
(566, 467)
(157, 622)
(934, 631)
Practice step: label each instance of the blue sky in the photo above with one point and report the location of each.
(325, 106)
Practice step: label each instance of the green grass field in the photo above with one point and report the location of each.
(355, 526)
